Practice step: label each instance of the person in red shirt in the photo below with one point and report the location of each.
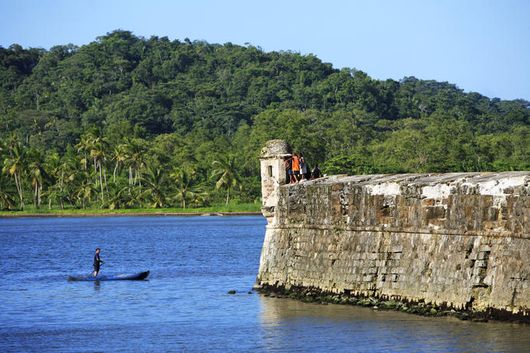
(296, 167)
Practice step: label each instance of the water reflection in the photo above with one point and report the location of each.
(295, 326)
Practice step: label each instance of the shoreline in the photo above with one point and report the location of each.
(317, 296)
(128, 214)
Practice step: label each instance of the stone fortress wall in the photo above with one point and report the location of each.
(459, 241)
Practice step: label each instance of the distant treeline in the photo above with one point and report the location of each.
(133, 122)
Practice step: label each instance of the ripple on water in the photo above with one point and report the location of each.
(194, 262)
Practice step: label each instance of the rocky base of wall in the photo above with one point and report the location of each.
(318, 296)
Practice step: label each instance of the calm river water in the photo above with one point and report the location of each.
(194, 262)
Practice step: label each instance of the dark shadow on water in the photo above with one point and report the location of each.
(336, 327)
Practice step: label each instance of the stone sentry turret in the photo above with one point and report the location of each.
(273, 173)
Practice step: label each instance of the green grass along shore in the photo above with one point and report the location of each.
(230, 209)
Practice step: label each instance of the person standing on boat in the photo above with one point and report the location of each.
(97, 262)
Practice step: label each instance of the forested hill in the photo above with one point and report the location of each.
(127, 122)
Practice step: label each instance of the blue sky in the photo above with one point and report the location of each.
(480, 45)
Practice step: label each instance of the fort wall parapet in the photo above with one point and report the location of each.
(458, 241)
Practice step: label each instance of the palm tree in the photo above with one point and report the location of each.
(120, 156)
(63, 170)
(85, 191)
(84, 146)
(94, 147)
(7, 194)
(137, 162)
(226, 175)
(119, 195)
(14, 165)
(122, 195)
(186, 185)
(153, 187)
(97, 152)
(37, 175)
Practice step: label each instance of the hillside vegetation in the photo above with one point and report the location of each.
(127, 122)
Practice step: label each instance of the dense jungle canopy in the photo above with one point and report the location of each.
(128, 122)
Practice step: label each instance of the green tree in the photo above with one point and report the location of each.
(186, 184)
(120, 157)
(7, 194)
(63, 170)
(95, 147)
(153, 190)
(15, 165)
(137, 160)
(137, 105)
(226, 175)
(85, 191)
(37, 175)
